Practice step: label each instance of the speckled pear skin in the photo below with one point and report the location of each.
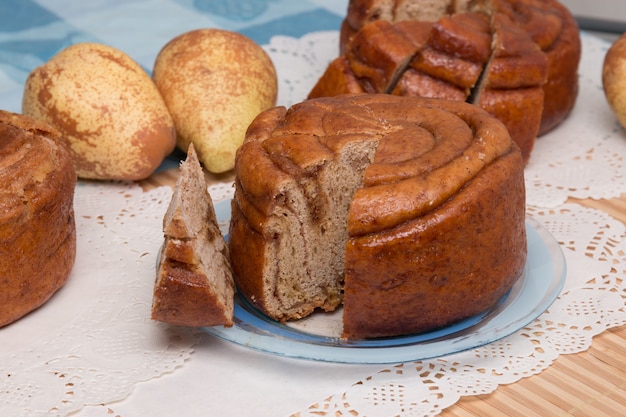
(107, 107)
(214, 82)
(614, 78)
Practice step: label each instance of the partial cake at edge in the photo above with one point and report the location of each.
(194, 284)
(37, 227)
(408, 211)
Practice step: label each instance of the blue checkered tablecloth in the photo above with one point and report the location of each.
(31, 31)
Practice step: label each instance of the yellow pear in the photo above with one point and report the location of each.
(108, 109)
(614, 78)
(214, 82)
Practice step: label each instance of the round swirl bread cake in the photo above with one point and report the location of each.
(37, 230)
(517, 59)
(408, 211)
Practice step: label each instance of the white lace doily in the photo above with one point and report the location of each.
(585, 156)
(93, 343)
(592, 300)
(94, 340)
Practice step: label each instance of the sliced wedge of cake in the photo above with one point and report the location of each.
(194, 284)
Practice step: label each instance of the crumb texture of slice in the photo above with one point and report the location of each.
(194, 284)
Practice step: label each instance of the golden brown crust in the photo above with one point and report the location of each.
(563, 50)
(338, 78)
(462, 143)
(471, 249)
(457, 49)
(183, 299)
(522, 115)
(444, 187)
(417, 83)
(378, 54)
(513, 82)
(37, 229)
(252, 249)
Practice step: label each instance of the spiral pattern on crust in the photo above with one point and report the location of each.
(426, 150)
(377, 201)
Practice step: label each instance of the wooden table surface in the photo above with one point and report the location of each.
(587, 384)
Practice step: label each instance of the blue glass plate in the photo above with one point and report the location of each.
(317, 337)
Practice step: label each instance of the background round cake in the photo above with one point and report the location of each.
(517, 59)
